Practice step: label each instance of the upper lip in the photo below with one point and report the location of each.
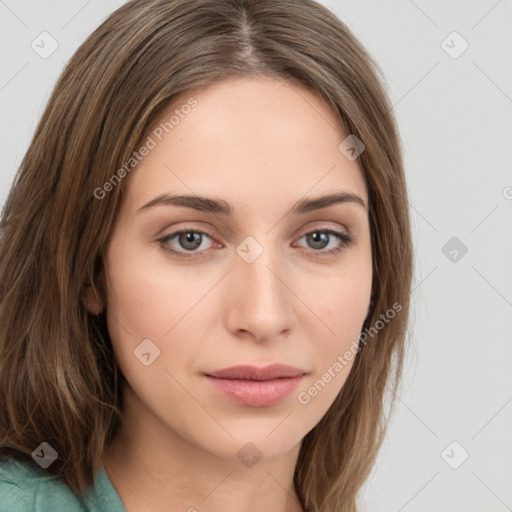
(247, 372)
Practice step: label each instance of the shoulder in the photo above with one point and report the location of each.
(26, 488)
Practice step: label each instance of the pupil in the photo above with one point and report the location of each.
(191, 238)
(317, 238)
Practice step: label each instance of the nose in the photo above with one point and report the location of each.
(260, 302)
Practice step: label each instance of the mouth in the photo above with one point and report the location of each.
(256, 387)
(247, 372)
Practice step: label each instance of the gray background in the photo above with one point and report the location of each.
(455, 117)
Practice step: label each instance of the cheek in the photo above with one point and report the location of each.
(348, 307)
(147, 296)
(343, 311)
(150, 299)
(344, 299)
(342, 308)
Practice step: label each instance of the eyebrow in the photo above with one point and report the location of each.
(219, 206)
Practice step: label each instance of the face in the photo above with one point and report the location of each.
(197, 286)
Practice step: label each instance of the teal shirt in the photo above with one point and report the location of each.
(26, 488)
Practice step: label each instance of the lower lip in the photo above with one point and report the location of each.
(253, 393)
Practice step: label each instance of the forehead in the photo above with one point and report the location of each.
(244, 139)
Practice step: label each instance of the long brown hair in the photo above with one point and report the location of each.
(59, 382)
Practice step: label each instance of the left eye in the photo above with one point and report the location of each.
(319, 237)
(190, 240)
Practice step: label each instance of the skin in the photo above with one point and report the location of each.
(260, 145)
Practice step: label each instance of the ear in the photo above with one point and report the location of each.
(92, 300)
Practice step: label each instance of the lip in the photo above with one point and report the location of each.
(248, 372)
(256, 387)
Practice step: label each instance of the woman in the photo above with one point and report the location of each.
(205, 267)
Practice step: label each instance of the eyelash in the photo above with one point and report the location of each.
(345, 239)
